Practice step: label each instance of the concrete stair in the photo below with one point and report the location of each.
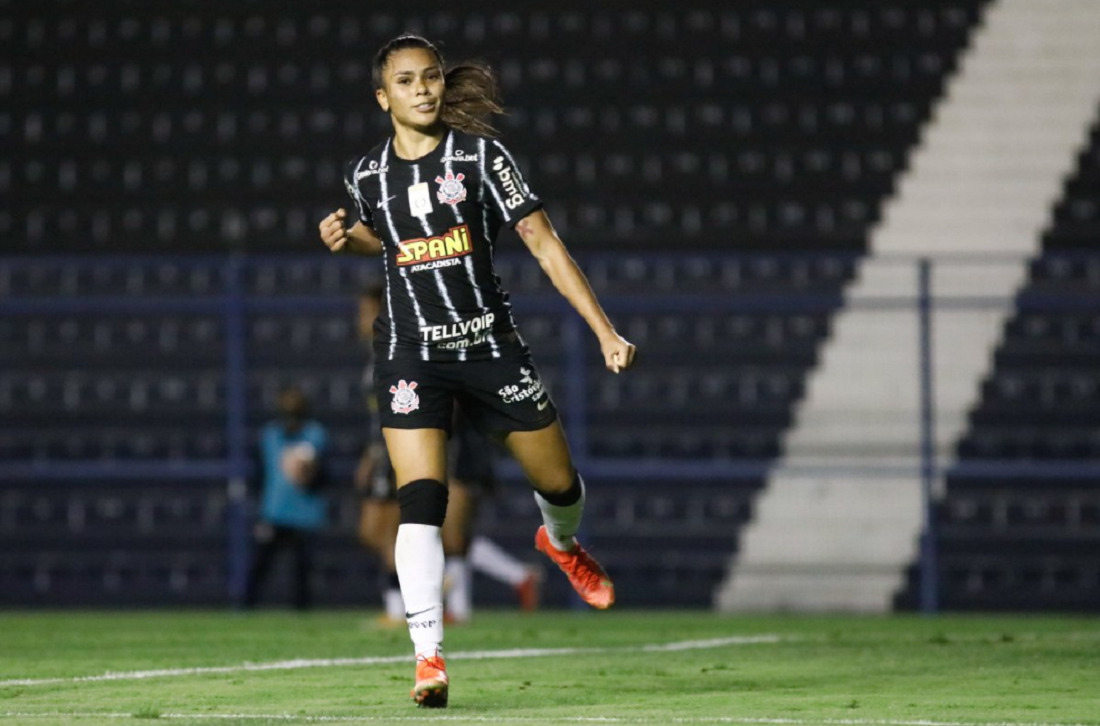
(977, 197)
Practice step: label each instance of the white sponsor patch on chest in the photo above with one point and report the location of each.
(420, 200)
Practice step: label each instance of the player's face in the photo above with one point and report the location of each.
(413, 88)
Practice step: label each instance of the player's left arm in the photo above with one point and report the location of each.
(542, 240)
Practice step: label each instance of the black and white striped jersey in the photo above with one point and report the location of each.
(438, 219)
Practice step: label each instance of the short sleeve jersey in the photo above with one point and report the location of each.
(438, 218)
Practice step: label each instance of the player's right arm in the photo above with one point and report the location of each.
(358, 239)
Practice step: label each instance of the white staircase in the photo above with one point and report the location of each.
(980, 188)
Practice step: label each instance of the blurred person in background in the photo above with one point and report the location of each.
(379, 514)
(292, 474)
(472, 477)
(431, 200)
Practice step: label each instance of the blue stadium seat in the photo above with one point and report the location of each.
(1017, 542)
(801, 145)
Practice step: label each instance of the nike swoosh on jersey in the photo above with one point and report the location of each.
(419, 612)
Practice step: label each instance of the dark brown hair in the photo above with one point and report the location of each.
(472, 94)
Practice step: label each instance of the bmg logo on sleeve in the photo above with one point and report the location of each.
(509, 182)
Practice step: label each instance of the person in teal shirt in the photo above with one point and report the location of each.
(292, 472)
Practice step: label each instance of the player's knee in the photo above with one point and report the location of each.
(565, 495)
(423, 501)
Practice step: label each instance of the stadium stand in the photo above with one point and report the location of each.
(689, 179)
(842, 514)
(203, 134)
(1016, 538)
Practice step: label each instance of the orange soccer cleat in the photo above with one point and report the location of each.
(584, 573)
(430, 690)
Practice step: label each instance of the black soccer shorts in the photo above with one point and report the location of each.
(498, 395)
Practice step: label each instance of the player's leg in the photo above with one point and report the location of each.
(559, 491)
(473, 466)
(545, 459)
(378, 522)
(416, 419)
(461, 510)
(487, 557)
(419, 462)
(265, 546)
(507, 398)
(299, 542)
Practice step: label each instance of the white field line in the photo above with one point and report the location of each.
(385, 660)
(737, 720)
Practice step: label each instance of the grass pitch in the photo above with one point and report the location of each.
(624, 666)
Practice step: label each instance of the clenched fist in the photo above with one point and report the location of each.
(332, 230)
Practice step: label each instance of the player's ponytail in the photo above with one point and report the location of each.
(472, 94)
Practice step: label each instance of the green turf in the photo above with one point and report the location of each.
(823, 670)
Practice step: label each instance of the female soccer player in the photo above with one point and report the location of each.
(471, 478)
(431, 199)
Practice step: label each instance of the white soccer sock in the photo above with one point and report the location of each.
(459, 595)
(562, 523)
(487, 557)
(419, 558)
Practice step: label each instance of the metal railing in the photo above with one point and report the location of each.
(233, 303)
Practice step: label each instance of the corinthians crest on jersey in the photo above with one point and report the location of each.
(451, 190)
